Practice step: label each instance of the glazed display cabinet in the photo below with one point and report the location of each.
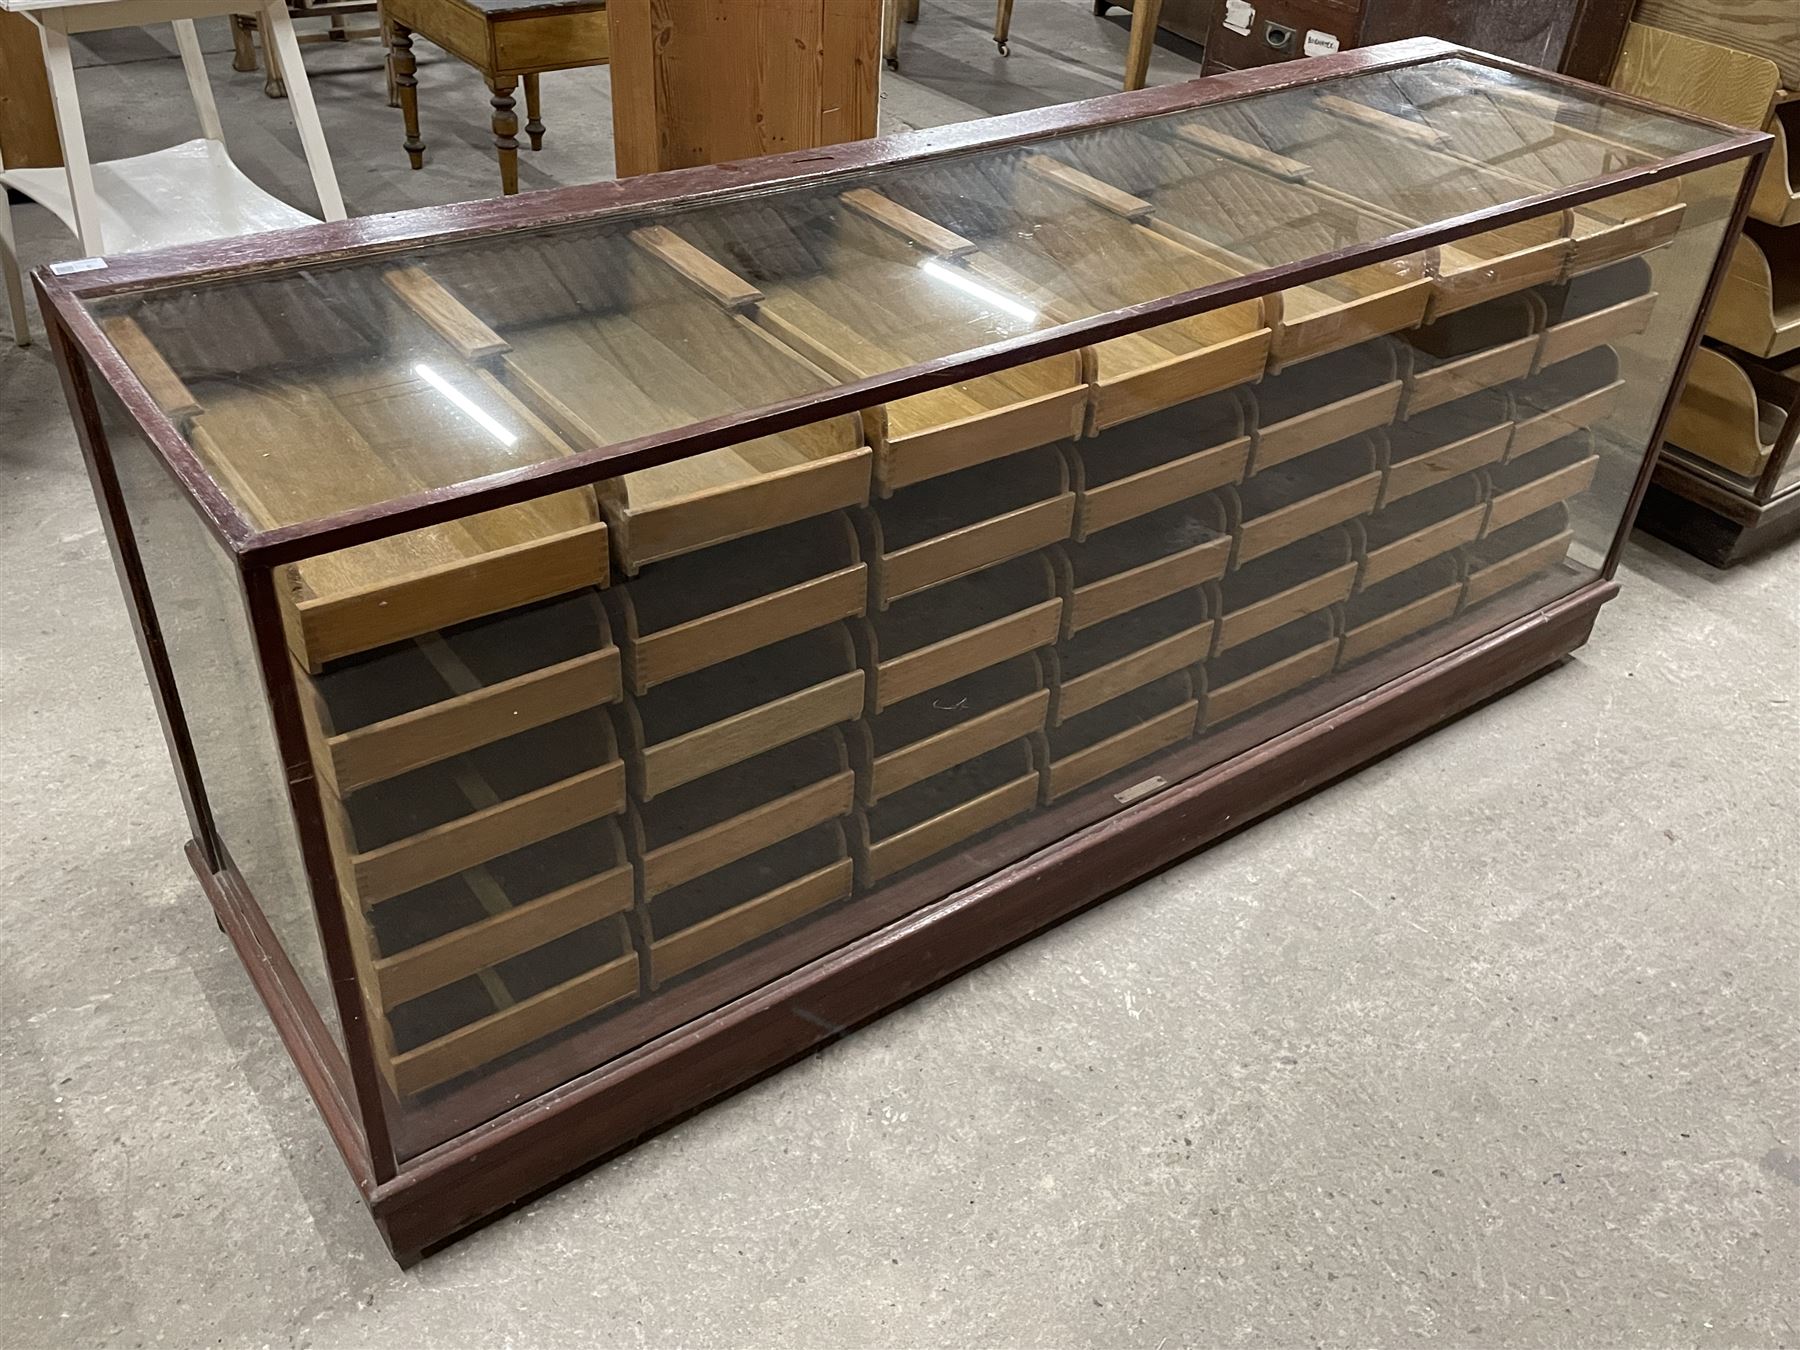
(614, 640)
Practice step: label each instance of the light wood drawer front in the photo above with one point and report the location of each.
(551, 42)
(1136, 587)
(1388, 311)
(1095, 762)
(1535, 432)
(730, 840)
(671, 763)
(1180, 378)
(1126, 499)
(729, 633)
(1467, 278)
(957, 745)
(1272, 681)
(1574, 336)
(909, 570)
(1295, 436)
(1489, 581)
(1173, 653)
(975, 440)
(1371, 637)
(901, 677)
(1295, 603)
(1392, 559)
(1304, 518)
(1480, 370)
(945, 831)
(710, 938)
(1511, 507)
(1458, 457)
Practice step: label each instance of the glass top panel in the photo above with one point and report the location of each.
(314, 389)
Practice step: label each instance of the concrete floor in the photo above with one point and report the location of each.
(1493, 1044)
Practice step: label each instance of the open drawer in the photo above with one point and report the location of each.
(352, 400)
(1040, 232)
(1303, 578)
(606, 342)
(1118, 734)
(1101, 663)
(1602, 306)
(727, 910)
(1305, 140)
(1516, 553)
(934, 816)
(1451, 439)
(1166, 457)
(1325, 400)
(1178, 548)
(1551, 474)
(1432, 521)
(961, 522)
(697, 610)
(956, 629)
(1734, 415)
(1579, 392)
(830, 276)
(1185, 183)
(717, 821)
(474, 967)
(1266, 667)
(943, 727)
(1472, 350)
(1304, 496)
(1407, 603)
(380, 714)
(725, 714)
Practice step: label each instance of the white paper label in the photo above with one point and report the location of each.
(1319, 44)
(62, 269)
(1239, 15)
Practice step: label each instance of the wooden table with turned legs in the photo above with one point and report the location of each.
(510, 42)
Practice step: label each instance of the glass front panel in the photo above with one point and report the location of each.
(602, 762)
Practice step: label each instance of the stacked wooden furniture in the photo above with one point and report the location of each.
(901, 524)
(1728, 486)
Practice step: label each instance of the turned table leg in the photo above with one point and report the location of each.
(506, 130)
(243, 45)
(534, 113)
(406, 81)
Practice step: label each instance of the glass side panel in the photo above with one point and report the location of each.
(200, 612)
(318, 389)
(691, 745)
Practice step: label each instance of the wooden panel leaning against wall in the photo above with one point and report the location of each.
(700, 82)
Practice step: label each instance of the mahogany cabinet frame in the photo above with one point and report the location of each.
(910, 935)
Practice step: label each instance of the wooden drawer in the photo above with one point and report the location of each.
(950, 725)
(933, 817)
(1304, 578)
(387, 712)
(726, 910)
(717, 821)
(1178, 548)
(1036, 229)
(1163, 458)
(1405, 604)
(727, 713)
(1267, 667)
(962, 522)
(453, 815)
(1451, 439)
(474, 967)
(606, 338)
(1474, 350)
(1102, 663)
(961, 627)
(1602, 306)
(1324, 401)
(1563, 398)
(1187, 186)
(862, 289)
(1304, 496)
(1108, 739)
(1541, 479)
(1517, 553)
(1625, 226)
(1428, 523)
(686, 613)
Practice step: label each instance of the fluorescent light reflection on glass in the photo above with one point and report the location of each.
(464, 404)
(969, 286)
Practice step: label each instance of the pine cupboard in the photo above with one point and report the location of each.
(612, 640)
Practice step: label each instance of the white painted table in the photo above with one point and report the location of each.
(185, 193)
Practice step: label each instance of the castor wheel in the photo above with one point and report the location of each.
(1100, 8)
(1005, 50)
(892, 62)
